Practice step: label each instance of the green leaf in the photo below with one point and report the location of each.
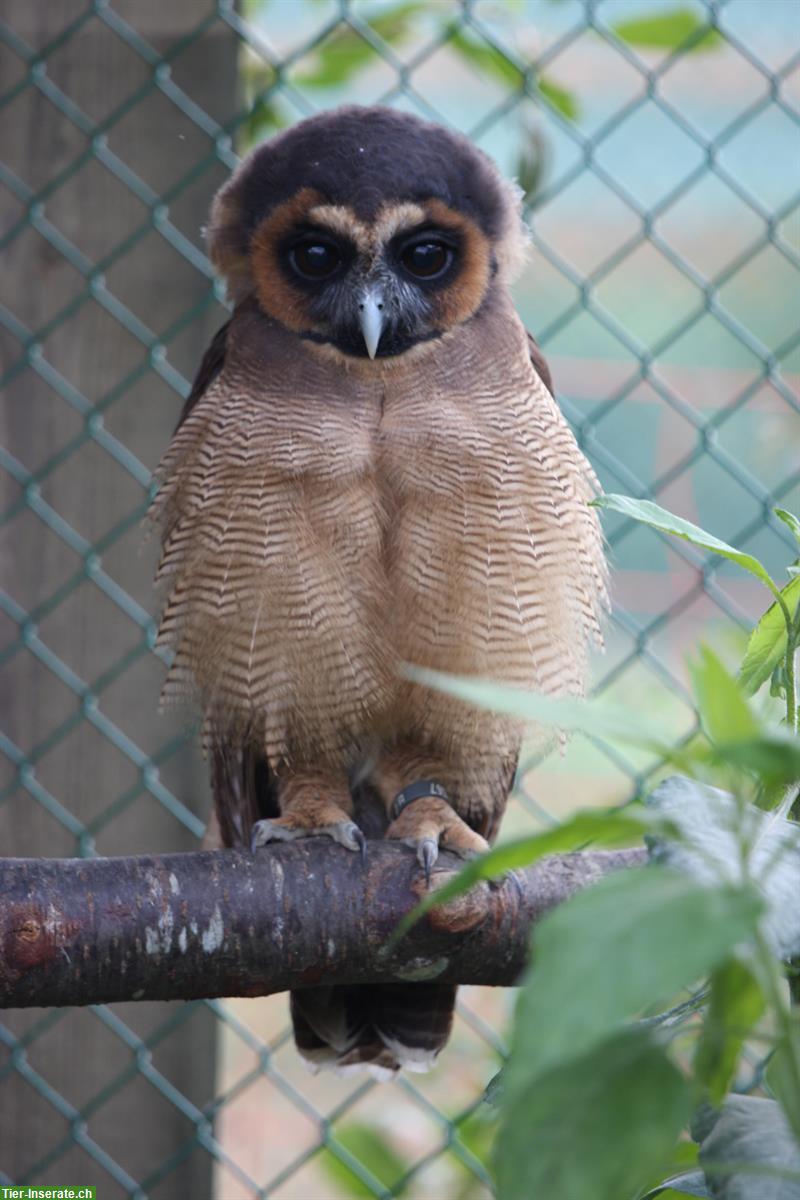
(780, 1073)
(601, 827)
(531, 162)
(607, 953)
(370, 1148)
(754, 1132)
(597, 1126)
(669, 30)
(264, 119)
(724, 712)
(682, 1162)
(486, 58)
(559, 98)
(721, 839)
(598, 718)
(789, 519)
(773, 755)
(767, 644)
(476, 1133)
(737, 1002)
(658, 518)
(692, 1183)
(346, 52)
(493, 1092)
(572, 716)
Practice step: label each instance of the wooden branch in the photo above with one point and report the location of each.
(228, 923)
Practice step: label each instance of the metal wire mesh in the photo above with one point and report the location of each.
(663, 197)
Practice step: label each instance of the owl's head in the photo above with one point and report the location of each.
(367, 229)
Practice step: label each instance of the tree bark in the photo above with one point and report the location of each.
(298, 914)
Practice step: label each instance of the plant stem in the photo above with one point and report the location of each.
(791, 650)
(792, 638)
(782, 1011)
(673, 1015)
(791, 691)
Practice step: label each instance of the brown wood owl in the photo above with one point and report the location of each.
(371, 470)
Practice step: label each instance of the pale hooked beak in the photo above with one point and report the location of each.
(371, 319)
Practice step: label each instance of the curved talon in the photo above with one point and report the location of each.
(358, 837)
(258, 835)
(429, 824)
(427, 853)
(282, 829)
(346, 833)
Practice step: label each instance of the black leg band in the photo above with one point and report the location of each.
(415, 791)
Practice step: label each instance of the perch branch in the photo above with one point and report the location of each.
(228, 923)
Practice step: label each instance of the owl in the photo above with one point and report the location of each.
(371, 471)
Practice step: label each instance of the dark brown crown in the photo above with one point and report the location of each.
(363, 158)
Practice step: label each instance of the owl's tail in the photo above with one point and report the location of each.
(377, 1028)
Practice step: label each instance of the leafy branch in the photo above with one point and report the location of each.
(770, 641)
(598, 1090)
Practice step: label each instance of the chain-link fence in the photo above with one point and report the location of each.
(658, 146)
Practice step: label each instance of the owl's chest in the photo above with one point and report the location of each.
(427, 453)
(399, 446)
(404, 479)
(440, 449)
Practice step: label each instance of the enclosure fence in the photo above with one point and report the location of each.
(107, 300)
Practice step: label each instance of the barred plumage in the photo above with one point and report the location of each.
(326, 517)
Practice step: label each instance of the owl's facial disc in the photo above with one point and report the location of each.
(427, 257)
(371, 290)
(371, 298)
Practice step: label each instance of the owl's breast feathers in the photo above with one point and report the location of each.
(322, 524)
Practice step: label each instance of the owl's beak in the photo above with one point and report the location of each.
(371, 319)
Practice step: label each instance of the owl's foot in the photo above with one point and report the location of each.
(285, 829)
(428, 824)
(306, 811)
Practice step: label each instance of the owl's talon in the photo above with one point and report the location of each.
(427, 853)
(430, 824)
(347, 834)
(362, 845)
(287, 829)
(259, 835)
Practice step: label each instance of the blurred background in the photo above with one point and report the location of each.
(658, 147)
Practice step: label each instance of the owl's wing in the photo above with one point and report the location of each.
(593, 589)
(497, 795)
(539, 363)
(243, 787)
(212, 363)
(242, 784)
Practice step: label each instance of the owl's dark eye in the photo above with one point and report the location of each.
(426, 259)
(315, 259)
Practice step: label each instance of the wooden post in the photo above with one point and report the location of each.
(93, 352)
